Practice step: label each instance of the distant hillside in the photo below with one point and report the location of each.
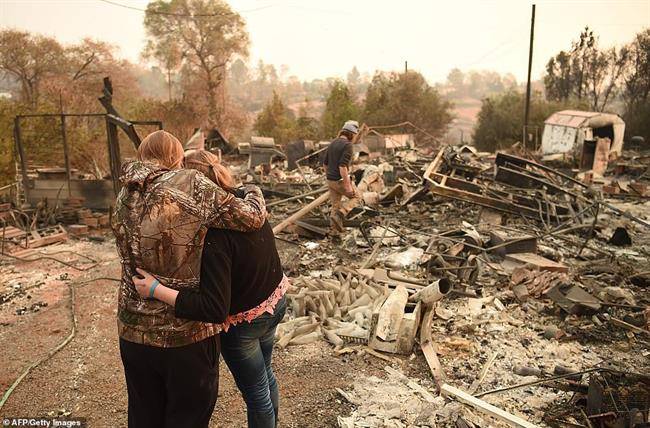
(466, 111)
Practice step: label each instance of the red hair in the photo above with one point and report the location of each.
(162, 148)
(208, 164)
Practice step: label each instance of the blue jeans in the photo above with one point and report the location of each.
(247, 349)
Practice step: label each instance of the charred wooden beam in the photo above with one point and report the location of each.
(21, 155)
(114, 116)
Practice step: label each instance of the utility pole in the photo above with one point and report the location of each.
(530, 65)
(406, 67)
(66, 151)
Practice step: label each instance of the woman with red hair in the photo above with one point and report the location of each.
(242, 283)
(161, 217)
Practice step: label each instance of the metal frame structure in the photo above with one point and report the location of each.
(113, 121)
(516, 174)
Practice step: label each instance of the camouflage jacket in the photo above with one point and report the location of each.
(159, 221)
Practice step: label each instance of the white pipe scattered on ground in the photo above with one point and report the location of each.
(432, 292)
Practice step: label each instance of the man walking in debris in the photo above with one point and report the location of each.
(337, 165)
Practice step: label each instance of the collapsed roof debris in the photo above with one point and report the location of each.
(530, 255)
(496, 288)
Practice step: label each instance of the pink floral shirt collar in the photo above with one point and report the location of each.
(267, 306)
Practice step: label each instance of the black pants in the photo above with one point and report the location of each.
(171, 387)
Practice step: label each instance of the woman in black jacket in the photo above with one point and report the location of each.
(242, 287)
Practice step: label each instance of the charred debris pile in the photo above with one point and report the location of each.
(498, 289)
(455, 256)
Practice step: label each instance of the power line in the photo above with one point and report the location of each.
(513, 38)
(185, 15)
(311, 9)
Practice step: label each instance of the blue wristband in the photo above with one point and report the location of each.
(153, 286)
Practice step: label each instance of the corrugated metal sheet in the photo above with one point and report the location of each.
(572, 118)
(560, 130)
(578, 119)
(558, 138)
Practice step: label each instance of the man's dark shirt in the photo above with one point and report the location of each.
(339, 153)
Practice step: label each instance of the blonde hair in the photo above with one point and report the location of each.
(162, 148)
(208, 164)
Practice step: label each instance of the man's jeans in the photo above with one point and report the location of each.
(339, 209)
(247, 349)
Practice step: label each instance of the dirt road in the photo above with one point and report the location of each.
(85, 379)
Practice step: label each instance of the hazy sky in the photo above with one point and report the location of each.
(318, 38)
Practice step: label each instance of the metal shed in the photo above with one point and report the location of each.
(567, 130)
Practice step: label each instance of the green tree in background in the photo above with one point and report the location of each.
(499, 123)
(206, 33)
(598, 79)
(500, 120)
(30, 59)
(353, 77)
(476, 84)
(46, 77)
(340, 107)
(276, 121)
(636, 87)
(8, 110)
(239, 73)
(637, 120)
(406, 97)
(559, 79)
(586, 72)
(456, 83)
(307, 126)
(168, 55)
